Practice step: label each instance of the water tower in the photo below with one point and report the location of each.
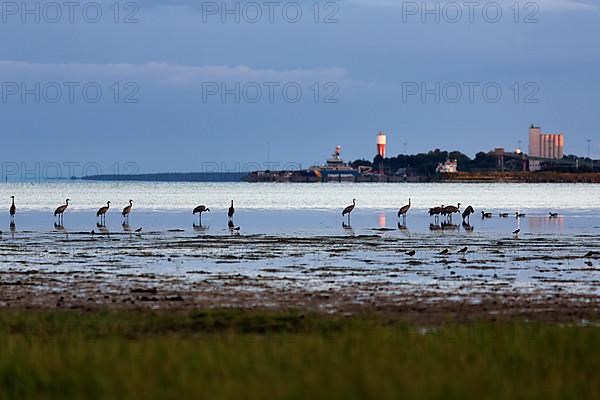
(381, 142)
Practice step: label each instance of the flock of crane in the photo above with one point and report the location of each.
(101, 213)
(435, 212)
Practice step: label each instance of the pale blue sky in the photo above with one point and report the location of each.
(365, 62)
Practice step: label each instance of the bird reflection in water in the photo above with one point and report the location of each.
(467, 227)
(435, 227)
(235, 230)
(347, 228)
(552, 223)
(449, 226)
(444, 226)
(59, 227)
(102, 228)
(126, 227)
(201, 228)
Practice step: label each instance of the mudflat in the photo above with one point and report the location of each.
(545, 277)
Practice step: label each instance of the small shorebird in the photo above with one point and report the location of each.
(503, 215)
(553, 215)
(60, 211)
(486, 215)
(410, 253)
(349, 209)
(127, 210)
(199, 210)
(463, 250)
(444, 252)
(403, 210)
(516, 232)
(519, 215)
(138, 230)
(102, 212)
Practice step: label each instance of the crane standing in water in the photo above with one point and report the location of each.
(467, 213)
(449, 210)
(435, 212)
(102, 213)
(199, 210)
(12, 211)
(349, 209)
(403, 210)
(231, 211)
(127, 210)
(60, 211)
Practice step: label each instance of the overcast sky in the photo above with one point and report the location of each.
(183, 84)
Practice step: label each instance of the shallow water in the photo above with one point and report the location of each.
(293, 237)
(307, 223)
(304, 208)
(289, 196)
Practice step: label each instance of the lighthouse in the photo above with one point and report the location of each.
(381, 142)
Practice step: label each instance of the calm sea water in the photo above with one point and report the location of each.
(283, 196)
(301, 208)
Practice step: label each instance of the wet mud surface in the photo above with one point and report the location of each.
(548, 276)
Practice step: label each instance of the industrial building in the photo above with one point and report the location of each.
(545, 145)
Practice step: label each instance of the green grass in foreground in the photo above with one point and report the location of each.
(261, 355)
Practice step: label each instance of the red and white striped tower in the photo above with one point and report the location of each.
(381, 142)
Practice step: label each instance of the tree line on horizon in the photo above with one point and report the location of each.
(425, 164)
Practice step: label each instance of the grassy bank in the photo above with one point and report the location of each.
(258, 354)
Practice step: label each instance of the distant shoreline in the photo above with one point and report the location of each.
(522, 177)
(173, 177)
(460, 177)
